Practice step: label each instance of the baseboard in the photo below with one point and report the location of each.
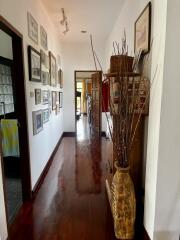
(146, 236)
(45, 171)
(69, 134)
(103, 134)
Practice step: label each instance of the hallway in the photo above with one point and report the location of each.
(72, 202)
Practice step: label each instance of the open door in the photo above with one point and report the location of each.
(96, 103)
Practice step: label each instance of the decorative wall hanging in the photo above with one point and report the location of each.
(37, 96)
(143, 31)
(45, 96)
(53, 74)
(32, 28)
(45, 78)
(60, 99)
(37, 121)
(34, 64)
(45, 115)
(44, 38)
(53, 100)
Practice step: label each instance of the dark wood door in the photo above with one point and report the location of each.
(96, 102)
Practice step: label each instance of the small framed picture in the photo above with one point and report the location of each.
(37, 96)
(60, 99)
(44, 38)
(45, 78)
(37, 117)
(53, 100)
(142, 31)
(60, 78)
(45, 115)
(44, 59)
(32, 28)
(45, 97)
(34, 58)
(53, 74)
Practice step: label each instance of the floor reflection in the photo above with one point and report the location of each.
(72, 202)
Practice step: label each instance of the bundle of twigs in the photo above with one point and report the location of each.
(127, 104)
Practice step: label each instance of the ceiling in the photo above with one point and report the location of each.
(97, 17)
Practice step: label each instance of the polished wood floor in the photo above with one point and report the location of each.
(72, 202)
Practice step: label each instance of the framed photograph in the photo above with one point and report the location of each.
(44, 59)
(37, 117)
(53, 100)
(60, 99)
(45, 115)
(44, 38)
(37, 96)
(34, 58)
(142, 31)
(45, 97)
(32, 28)
(52, 65)
(60, 78)
(45, 78)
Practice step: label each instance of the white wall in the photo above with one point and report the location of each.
(167, 216)
(41, 145)
(127, 17)
(76, 56)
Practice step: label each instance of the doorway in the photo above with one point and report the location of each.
(13, 120)
(88, 104)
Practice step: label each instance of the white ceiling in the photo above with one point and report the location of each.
(95, 16)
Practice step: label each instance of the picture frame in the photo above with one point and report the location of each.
(44, 59)
(60, 99)
(53, 73)
(44, 38)
(60, 78)
(32, 28)
(46, 115)
(34, 60)
(53, 100)
(45, 97)
(37, 96)
(37, 118)
(45, 77)
(142, 31)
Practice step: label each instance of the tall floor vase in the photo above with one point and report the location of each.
(123, 203)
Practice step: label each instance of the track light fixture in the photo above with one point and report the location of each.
(64, 21)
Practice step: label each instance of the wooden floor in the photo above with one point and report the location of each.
(72, 202)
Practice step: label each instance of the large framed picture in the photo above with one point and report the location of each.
(142, 31)
(32, 28)
(53, 100)
(52, 64)
(44, 38)
(37, 117)
(34, 58)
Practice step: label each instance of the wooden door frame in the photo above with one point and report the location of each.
(18, 56)
(100, 95)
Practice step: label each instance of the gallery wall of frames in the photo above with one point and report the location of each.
(44, 69)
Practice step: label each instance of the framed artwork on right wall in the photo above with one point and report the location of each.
(142, 31)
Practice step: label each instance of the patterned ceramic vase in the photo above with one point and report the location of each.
(123, 203)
